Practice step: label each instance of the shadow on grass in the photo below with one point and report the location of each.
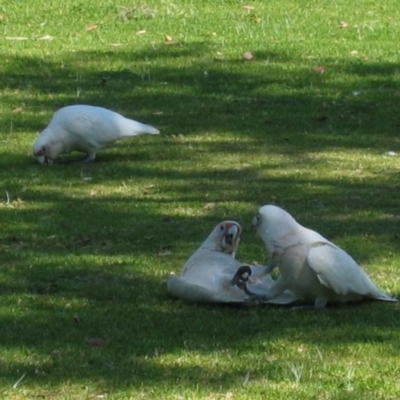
(183, 90)
(269, 110)
(140, 326)
(143, 221)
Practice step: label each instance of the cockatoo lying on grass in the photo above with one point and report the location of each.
(311, 267)
(210, 274)
(86, 129)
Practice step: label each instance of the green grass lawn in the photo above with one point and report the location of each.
(306, 124)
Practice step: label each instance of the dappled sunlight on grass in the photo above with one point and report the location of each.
(310, 124)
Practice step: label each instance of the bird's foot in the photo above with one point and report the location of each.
(241, 279)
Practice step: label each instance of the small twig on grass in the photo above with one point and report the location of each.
(246, 378)
(297, 371)
(8, 198)
(19, 381)
(319, 353)
(349, 378)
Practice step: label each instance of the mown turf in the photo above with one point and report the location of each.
(308, 124)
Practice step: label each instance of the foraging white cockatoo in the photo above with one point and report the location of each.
(311, 266)
(209, 275)
(86, 129)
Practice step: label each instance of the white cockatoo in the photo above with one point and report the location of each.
(311, 266)
(86, 129)
(209, 275)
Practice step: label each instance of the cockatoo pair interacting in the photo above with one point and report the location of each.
(312, 269)
(86, 129)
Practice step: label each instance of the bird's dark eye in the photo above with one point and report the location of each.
(221, 228)
(256, 220)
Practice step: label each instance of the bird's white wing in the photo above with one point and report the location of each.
(97, 126)
(204, 266)
(338, 271)
(184, 289)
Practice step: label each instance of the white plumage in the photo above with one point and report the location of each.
(208, 274)
(311, 266)
(86, 129)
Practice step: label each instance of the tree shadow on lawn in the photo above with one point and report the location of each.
(55, 306)
(181, 92)
(63, 306)
(140, 327)
(50, 219)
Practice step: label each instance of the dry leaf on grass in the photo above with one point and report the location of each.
(170, 41)
(210, 206)
(141, 32)
(320, 69)
(247, 7)
(343, 24)
(17, 109)
(164, 252)
(219, 56)
(95, 341)
(91, 27)
(247, 56)
(321, 117)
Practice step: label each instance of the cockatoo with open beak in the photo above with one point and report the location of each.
(209, 275)
(311, 266)
(86, 129)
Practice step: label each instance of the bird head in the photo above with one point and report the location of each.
(43, 154)
(224, 238)
(45, 150)
(274, 225)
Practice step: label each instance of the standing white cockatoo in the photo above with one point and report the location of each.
(86, 129)
(312, 267)
(209, 275)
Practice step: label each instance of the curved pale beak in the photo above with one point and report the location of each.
(231, 239)
(41, 159)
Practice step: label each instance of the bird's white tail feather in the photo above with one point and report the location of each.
(137, 128)
(381, 295)
(378, 294)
